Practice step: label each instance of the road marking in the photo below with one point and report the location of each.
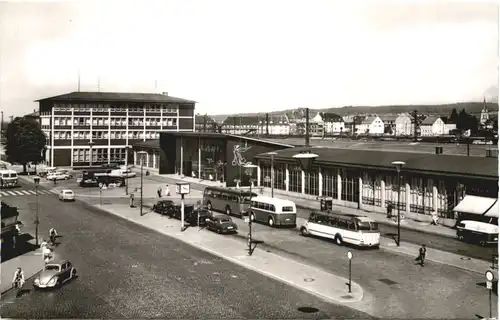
(4, 193)
(19, 193)
(11, 193)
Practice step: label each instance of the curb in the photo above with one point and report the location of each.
(240, 263)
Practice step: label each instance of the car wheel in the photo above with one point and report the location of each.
(228, 210)
(461, 238)
(303, 232)
(338, 240)
(218, 231)
(482, 243)
(209, 206)
(73, 274)
(270, 222)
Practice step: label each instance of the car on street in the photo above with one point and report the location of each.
(66, 195)
(123, 173)
(198, 215)
(58, 176)
(55, 274)
(163, 206)
(175, 211)
(221, 224)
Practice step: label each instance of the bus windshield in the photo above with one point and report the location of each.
(367, 226)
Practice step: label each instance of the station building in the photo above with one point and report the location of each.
(85, 128)
(362, 179)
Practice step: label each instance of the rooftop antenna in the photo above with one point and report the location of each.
(78, 79)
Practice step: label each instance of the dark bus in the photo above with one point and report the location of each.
(100, 177)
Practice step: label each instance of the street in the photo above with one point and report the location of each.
(430, 240)
(127, 271)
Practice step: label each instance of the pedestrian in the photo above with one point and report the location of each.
(43, 244)
(434, 219)
(167, 191)
(131, 200)
(421, 255)
(16, 234)
(389, 210)
(159, 192)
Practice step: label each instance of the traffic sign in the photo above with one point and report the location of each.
(489, 275)
(349, 255)
(489, 285)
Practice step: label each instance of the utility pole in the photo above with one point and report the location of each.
(267, 124)
(415, 125)
(307, 127)
(78, 79)
(205, 123)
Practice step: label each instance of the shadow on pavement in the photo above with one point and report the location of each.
(23, 246)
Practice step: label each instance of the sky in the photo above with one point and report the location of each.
(251, 56)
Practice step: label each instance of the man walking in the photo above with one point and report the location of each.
(421, 255)
(159, 192)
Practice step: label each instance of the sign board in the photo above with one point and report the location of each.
(489, 275)
(182, 188)
(349, 255)
(489, 285)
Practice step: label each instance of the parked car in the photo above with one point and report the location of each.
(66, 195)
(58, 176)
(55, 274)
(221, 224)
(198, 215)
(163, 206)
(175, 211)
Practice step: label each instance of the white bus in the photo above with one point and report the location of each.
(8, 178)
(273, 211)
(356, 230)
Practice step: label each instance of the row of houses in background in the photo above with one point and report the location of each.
(326, 124)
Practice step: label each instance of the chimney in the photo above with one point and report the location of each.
(267, 124)
(165, 93)
(307, 127)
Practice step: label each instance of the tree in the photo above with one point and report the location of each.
(462, 120)
(25, 142)
(453, 116)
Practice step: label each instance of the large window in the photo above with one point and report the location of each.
(265, 174)
(117, 154)
(350, 186)
(391, 192)
(312, 182)
(279, 176)
(421, 195)
(295, 177)
(368, 188)
(330, 183)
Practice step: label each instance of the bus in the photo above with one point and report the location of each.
(100, 177)
(8, 178)
(343, 228)
(230, 201)
(273, 211)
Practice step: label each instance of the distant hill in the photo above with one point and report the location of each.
(443, 109)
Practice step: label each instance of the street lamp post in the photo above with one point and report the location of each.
(399, 165)
(90, 145)
(37, 221)
(249, 169)
(126, 169)
(142, 153)
(272, 154)
(349, 256)
(305, 161)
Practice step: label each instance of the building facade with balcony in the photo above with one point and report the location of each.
(81, 126)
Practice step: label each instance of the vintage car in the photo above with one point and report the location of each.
(198, 216)
(477, 232)
(163, 206)
(175, 211)
(55, 274)
(221, 224)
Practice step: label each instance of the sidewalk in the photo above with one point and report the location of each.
(310, 203)
(31, 263)
(310, 279)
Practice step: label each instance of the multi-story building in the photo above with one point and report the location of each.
(205, 123)
(432, 126)
(333, 123)
(104, 124)
(404, 125)
(256, 125)
(389, 123)
(371, 125)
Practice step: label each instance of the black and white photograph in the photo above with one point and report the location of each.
(222, 159)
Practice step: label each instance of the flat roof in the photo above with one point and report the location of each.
(478, 167)
(116, 97)
(224, 136)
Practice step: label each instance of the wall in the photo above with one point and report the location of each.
(62, 158)
(239, 152)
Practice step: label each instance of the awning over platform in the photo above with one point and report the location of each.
(493, 212)
(476, 205)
